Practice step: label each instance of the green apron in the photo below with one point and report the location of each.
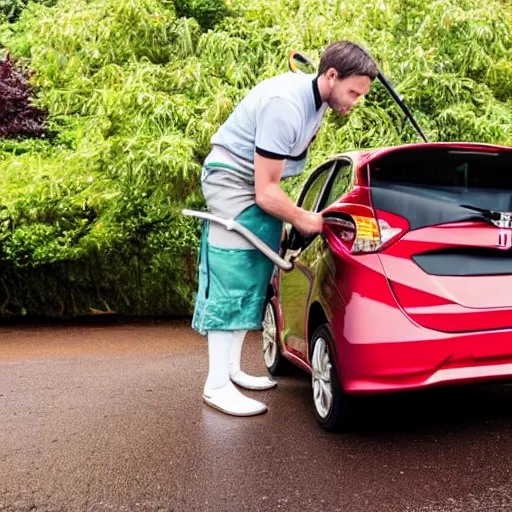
(233, 282)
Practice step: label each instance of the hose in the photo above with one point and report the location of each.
(233, 225)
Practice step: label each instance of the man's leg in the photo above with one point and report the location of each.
(237, 375)
(219, 391)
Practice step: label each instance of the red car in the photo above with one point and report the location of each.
(409, 286)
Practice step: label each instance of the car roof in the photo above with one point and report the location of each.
(365, 156)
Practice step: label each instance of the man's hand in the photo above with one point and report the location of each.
(309, 223)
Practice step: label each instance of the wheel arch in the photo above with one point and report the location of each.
(316, 318)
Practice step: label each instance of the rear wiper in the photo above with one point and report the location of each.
(488, 214)
(499, 219)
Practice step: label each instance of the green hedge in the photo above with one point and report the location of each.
(135, 89)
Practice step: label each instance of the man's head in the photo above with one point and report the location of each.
(345, 74)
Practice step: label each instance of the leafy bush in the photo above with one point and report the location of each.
(135, 90)
(10, 10)
(207, 13)
(18, 118)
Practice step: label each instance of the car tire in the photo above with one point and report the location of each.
(275, 362)
(333, 408)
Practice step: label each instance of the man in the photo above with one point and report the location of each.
(264, 140)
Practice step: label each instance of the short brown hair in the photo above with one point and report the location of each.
(347, 59)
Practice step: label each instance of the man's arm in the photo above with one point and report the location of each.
(277, 127)
(270, 197)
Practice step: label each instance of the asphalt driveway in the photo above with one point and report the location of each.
(110, 417)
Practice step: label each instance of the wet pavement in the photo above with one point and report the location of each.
(96, 418)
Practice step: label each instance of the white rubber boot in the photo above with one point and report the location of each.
(238, 376)
(219, 392)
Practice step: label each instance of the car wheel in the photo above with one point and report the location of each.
(333, 408)
(275, 362)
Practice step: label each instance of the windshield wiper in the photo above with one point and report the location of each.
(499, 219)
(488, 214)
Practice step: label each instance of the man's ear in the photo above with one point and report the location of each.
(331, 75)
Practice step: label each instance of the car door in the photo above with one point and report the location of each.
(295, 285)
(329, 182)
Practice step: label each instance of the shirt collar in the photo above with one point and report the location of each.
(316, 93)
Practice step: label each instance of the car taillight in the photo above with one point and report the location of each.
(365, 233)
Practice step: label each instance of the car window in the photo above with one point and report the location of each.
(340, 185)
(313, 188)
(313, 191)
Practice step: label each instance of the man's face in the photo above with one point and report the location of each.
(345, 92)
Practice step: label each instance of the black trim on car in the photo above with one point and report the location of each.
(465, 261)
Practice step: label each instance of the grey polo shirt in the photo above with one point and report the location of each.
(278, 119)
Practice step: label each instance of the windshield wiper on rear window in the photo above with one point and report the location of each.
(499, 219)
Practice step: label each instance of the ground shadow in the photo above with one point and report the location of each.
(429, 411)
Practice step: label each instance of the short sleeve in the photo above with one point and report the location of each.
(277, 129)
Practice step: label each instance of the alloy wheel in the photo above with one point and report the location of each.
(322, 385)
(270, 349)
